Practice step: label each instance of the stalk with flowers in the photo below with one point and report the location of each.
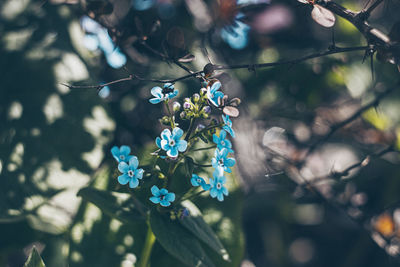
(170, 214)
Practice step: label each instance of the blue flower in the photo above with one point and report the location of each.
(121, 154)
(222, 161)
(217, 187)
(130, 172)
(171, 142)
(198, 181)
(161, 196)
(214, 95)
(222, 142)
(228, 125)
(167, 92)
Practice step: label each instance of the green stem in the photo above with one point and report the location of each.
(202, 165)
(190, 129)
(206, 129)
(204, 148)
(171, 117)
(148, 245)
(193, 196)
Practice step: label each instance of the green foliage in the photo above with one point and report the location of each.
(34, 259)
(114, 204)
(175, 239)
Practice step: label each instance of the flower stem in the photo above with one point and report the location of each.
(191, 126)
(171, 117)
(204, 148)
(148, 246)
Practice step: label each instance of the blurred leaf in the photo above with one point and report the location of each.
(323, 16)
(196, 224)
(114, 204)
(34, 259)
(177, 241)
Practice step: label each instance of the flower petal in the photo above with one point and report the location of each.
(173, 152)
(182, 145)
(206, 186)
(155, 191)
(157, 92)
(177, 133)
(222, 134)
(220, 196)
(163, 191)
(158, 142)
(213, 192)
(123, 167)
(155, 200)
(166, 134)
(133, 162)
(164, 203)
(170, 197)
(229, 162)
(215, 86)
(155, 100)
(134, 182)
(125, 150)
(115, 151)
(123, 179)
(139, 173)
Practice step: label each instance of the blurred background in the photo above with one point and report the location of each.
(338, 208)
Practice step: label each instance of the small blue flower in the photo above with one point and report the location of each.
(121, 154)
(171, 142)
(214, 95)
(217, 187)
(198, 181)
(228, 125)
(161, 196)
(222, 161)
(130, 172)
(222, 142)
(167, 92)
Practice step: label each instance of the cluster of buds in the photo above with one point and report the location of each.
(195, 107)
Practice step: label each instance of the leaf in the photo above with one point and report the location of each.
(187, 58)
(196, 224)
(189, 166)
(114, 204)
(323, 16)
(231, 111)
(34, 259)
(177, 241)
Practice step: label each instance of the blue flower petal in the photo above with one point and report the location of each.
(123, 167)
(220, 196)
(155, 100)
(166, 134)
(177, 133)
(164, 203)
(134, 182)
(123, 179)
(133, 162)
(157, 92)
(125, 150)
(139, 173)
(170, 197)
(229, 162)
(155, 191)
(205, 186)
(173, 152)
(155, 200)
(163, 191)
(158, 142)
(213, 192)
(182, 145)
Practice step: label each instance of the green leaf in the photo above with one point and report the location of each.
(197, 226)
(177, 241)
(189, 166)
(203, 138)
(34, 259)
(114, 204)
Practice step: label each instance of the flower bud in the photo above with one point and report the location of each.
(176, 106)
(186, 105)
(200, 127)
(203, 91)
(196, 98)
(165, 120)
(183, 115)
(207, 109)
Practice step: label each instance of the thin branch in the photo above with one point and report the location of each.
(334, 50)
(131, 77)
(343, 123)
(371, 8)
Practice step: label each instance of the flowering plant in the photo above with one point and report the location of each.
(160, 196)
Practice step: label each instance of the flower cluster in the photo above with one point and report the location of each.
(174, 144)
